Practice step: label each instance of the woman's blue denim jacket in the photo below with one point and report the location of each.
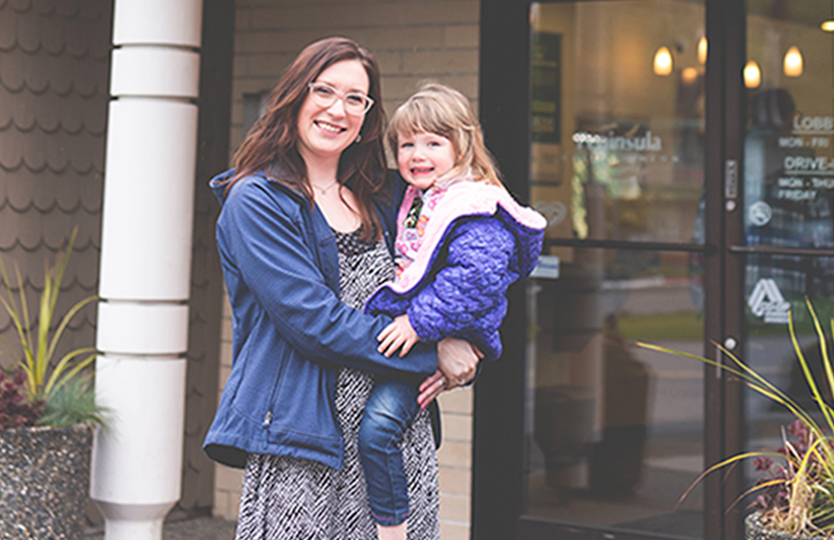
(291, 331)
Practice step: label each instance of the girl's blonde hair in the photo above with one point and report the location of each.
(444, 111)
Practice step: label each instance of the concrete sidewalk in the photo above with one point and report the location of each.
(202, 528)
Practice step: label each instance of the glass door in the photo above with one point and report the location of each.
(614, 434)
(788, 241)
(683, 154)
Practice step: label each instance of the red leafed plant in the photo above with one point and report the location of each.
(15, 409)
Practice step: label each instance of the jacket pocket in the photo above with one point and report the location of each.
(280, 382)
(302, 402)
(263, 376)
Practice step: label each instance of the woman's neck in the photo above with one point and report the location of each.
(321, 172)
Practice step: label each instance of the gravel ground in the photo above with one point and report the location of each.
(202, 528)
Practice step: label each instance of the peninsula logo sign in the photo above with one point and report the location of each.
(767, 301)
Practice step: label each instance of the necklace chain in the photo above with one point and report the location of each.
(324, 190)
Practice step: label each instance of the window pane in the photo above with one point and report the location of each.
(617, 118)
(788, 150)
(615, 433)
(788, 198)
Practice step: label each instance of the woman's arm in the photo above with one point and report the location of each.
(267, 246)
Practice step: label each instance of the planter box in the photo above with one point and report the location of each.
(44, 482)
(754, 530)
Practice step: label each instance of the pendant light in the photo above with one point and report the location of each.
(689, 75)
(663, 61)
(702, 50)
(752, 75)
(793, 63)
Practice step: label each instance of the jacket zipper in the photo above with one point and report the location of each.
(267, 419)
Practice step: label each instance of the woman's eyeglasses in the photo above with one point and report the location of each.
(325, 95)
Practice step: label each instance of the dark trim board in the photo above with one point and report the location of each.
(498, 438)
(206, 302)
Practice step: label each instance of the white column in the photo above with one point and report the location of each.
(146, 263)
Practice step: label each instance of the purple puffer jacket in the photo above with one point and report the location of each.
(476, 244)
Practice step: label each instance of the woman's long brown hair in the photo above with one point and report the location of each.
(271, 144)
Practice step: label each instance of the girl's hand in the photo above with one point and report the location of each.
(396, 335)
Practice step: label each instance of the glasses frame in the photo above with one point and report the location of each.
(339, 95)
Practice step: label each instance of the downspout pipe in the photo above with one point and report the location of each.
(145, 264)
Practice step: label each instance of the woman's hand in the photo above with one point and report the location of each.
(431, 388)
(458, 361)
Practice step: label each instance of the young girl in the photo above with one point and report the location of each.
(461, 241)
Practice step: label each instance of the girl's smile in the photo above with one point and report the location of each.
(424, 157)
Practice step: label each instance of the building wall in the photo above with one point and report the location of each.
(54, 64)
(54, 94)
(412, 41)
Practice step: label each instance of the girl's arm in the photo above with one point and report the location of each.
(265, 240)
(473, 281)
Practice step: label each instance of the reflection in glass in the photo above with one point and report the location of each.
(663, 62)
(615, 433)
(617, 118)
(703, 48)
(788, 200)
(793, 63)
(752, 74)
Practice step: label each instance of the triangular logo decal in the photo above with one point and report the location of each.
(767, 301)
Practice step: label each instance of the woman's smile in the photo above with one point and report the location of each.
(329, 128)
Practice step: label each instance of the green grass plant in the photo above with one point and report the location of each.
(73, 403)
(796, 496)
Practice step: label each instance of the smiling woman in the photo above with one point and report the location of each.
(322, 128)
(304, 239)
(328, 122)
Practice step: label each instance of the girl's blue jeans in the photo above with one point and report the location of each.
(391, 407)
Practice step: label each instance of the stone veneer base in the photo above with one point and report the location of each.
(44, 482)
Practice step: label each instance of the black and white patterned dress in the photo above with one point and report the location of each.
(286, 498)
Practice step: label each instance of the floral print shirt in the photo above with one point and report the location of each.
(412, 223)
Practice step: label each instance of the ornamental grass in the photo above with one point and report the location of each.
(795, 490)
(41, 388)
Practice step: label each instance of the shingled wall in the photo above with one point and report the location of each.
(54, 80)
(54, 62)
